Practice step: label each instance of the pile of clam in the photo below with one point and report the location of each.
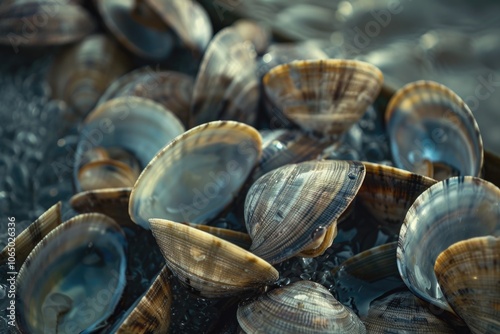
(171, 154)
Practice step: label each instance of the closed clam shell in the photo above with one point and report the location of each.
(141, 40)
(433, 132)
(106, 174)
(294, 205)
(112, 202)
(468, 273)
(389, 192)
(187, 18)
(197, 175)
(134, 124)
(151, 313)
(452, 210)
(301, 307)
(32, 235)
(79, 262)
(80, 74)
(402, 312)
(322, 96)
(43, 23)
(210, 266)
(226, 87)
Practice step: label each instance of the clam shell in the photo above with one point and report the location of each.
(43, 23)
(106, 174)
(151, 313)
(239, 239)
(197, 175)
(32, 235)
(80, 262)
(452, 210)
(402, 312)
(433, 131)
(226, 87)
(389, 192)
(301, 307)
(135, 124)
(139, 39)
(187, 18)
(468, 273)
(210, 266)
(110, 202)
(322, 96)
(80, 74)
(294, 205)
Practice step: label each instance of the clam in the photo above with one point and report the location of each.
(31, 236)
(433, 132)
(137, 125)
(208, 265)
(389, 192)
(112, 202)
(301, 307)
(43, 23)
(325, 97)
(293, 209)
(452, 210)
(144, 41)
(197, 175)
(80, 75)
(226, 87)
(106, 174)
(171, 89)
(151, 313)
(468, 273)
(239, 239)
(187, 18)
(73, 279)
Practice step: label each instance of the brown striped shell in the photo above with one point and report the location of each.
(322, 96)
(104, 174)
(31, 236)
(389, 192)
(452, 210)
(295, 205)
(210, 266)
(468, 273)
(433, 132)
(197, 175)
(151, 314)
(301, 307)
(226, 87)
(80, 74)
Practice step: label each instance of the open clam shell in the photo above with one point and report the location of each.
(210, 266)
(151, 313)
(103, 174)
(31, 236)
(81, 74)
(468, 273)
(197, 175)
(452, 210)
(138, 125)
(389, 192)
(140, 39)
(433, 132)
(42, 23)
(295, 205)
(301, 307)
(226, 87)
(77, 263)
(322, 96)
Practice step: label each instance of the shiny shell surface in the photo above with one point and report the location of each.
(433, 132)
(197, 175)
(452, 210)
(326, 96)
(210, 266)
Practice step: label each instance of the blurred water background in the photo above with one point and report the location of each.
(456, 43)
